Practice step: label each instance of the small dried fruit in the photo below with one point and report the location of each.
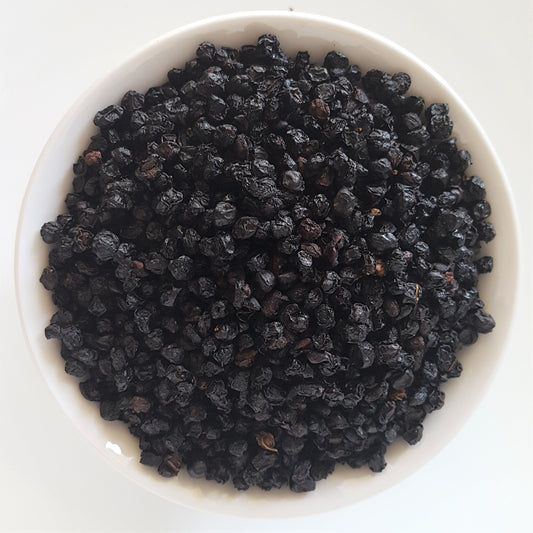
(269, 266)
(266, 441)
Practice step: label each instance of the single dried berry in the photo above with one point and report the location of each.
(139, 404)
(181, 268)
(266, 441)
(268, 266)
(105, 244)
(319, 109)
(109, 116)
(92, 158)
(170, 465)
(293, 181)
(309, 230)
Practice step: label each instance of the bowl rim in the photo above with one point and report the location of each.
(245, 16)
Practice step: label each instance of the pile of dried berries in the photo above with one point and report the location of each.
(268, 266)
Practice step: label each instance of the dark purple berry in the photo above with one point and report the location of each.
(267, 267)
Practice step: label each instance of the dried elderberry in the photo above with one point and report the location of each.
(269, 266)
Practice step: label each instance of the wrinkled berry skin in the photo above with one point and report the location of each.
(267, 266)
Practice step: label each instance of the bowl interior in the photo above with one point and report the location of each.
(52, 179)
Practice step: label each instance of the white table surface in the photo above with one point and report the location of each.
(51, 479)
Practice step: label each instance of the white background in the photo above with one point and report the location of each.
(53, 480)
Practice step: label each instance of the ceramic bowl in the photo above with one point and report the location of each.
(51, 180)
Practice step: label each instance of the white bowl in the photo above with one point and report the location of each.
(51, 180)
